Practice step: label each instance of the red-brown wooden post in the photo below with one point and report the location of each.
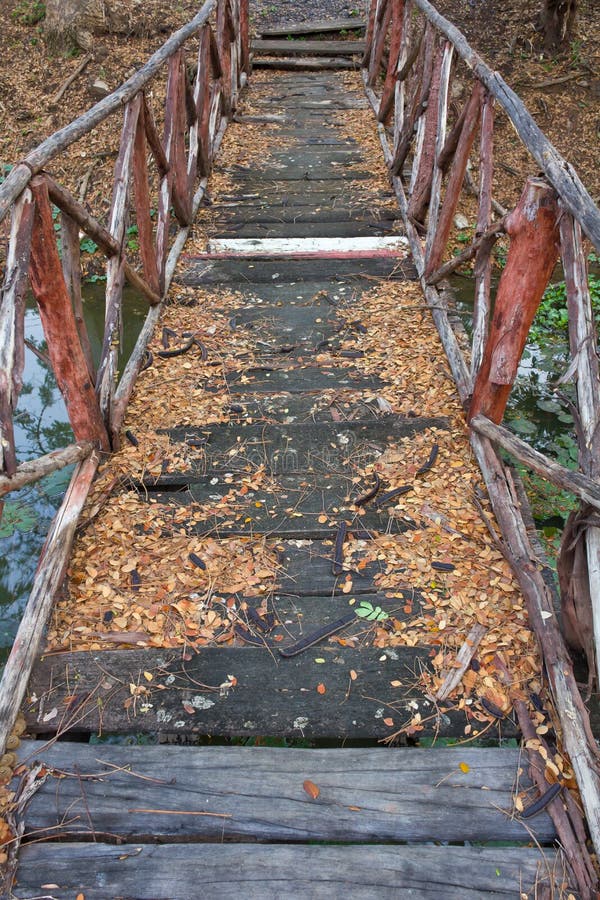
(422, 188)
(455, 180)
(224, 44)
(382, 23)
(370, 32)
(142, 205)
(203, 82)
(534, 246)
(245, 64)
(58, 321)
(389, 86)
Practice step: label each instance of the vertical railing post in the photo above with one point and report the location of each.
(533, 230)
(58, 321)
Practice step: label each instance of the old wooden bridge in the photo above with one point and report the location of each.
(282, 543)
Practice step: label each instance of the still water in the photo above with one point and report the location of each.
(41, 425)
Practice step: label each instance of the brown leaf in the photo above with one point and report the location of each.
(311, 789)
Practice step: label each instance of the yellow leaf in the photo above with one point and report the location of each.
(148, 676)
(464, 767)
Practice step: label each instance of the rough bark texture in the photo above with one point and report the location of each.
(70, 22)
(533, 252)
(557, 20)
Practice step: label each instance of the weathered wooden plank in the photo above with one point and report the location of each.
(307, 62)
(202, 271)
(307, 48)
(314, 26)
(272, 696)
(270, 872)
(292, 511)
(306, 248)
(295, 229)
(330, 447)
(375, 794)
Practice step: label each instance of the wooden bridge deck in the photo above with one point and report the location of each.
(236, 523)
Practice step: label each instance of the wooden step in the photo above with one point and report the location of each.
(202, 271)
(307, 48)
(370, 794)
(282, 449)
(315, 63)
(310, 247)
(192, 693)
(316, 26)
(272, 871)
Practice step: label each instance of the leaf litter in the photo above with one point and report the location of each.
(133, 580)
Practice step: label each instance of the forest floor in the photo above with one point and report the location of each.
(561, 92)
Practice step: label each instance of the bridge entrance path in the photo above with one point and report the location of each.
(286, 557)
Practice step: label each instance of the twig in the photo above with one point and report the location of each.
(69, 81)
(452, 677)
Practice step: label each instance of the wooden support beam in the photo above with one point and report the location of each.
(34, 469)
(483, 259)
(455, 180)
(421, 190)
(389, 85)
(58, 321)
(115, 268)
(12, 325)
(141, 179)
(580, 589)
(69, 205)
(71, 264)
(487, 240)
(48, 578)
(584, 487)
(533, 229)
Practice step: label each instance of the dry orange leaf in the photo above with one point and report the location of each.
(311, 789)
(321, 688)
(389, 722)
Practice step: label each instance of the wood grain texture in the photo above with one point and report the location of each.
(272, 696)
(271, 872)
(376, 794)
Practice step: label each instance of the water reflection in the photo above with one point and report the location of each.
(41, 425)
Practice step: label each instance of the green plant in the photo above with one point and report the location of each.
(552, 318)
(87, 245)
(132, 242)
(29, 12)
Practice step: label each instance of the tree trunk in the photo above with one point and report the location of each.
(558, 22)
(72, 22)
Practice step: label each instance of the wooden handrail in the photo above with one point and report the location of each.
(41, 155)
(428, 198)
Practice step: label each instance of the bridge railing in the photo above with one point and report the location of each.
(206, 63)
(199, 100)
(408, 71)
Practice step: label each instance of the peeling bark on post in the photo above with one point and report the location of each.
(142, 205)
(71, 263)
(483, 260)
(455, 180)
(532, 255)
(422, 187)
(385, 107)
(579, 561)
(64, 348)
(12, 318)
